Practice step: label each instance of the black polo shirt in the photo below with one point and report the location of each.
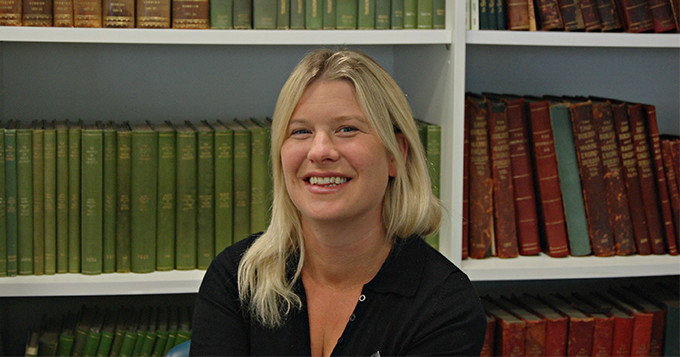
(419, 303)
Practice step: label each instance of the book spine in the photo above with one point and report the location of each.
(491, 17)
(165, 258)
(3, 207)
(283, 14)
(433, 154)
(38, 164)
(313, 14)
(191, 14)
(549, 15)
(673, 188)
(10, 13)
(123, 162)
(62, 12)
(241, 184)
(265, 14)
(571, 15)
(366, 16)
(662, 15)
(62, 197)
(439, 14)
(609, 16)
(205, 233)
(382, 14)
(221, 14)
(154, 13)
(109, 200)
(297, 14)
(74, 134)
(224, 180)
(424, 14)
(92, 193)
(591, 16)
(87, 13)
(49, 199)
(346, 14)
(258, 177)
(329, 15)
(36, 13)
(551, 209)
(143, 194)
(118, 13)
(397, 14)
(570, 181)
(465, 225)
(636, 15)
(518, 15)
(243, 18)
(410, 14)
(25, 201)
(186, 200)
(590, 168)
(483, 14)
(11, 199)
(603, 331)
(617, 200)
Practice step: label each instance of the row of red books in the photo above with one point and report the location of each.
(568, 176)
(620, 321)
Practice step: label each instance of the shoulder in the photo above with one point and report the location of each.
(232, 254)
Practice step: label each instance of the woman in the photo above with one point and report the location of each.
(342, 268)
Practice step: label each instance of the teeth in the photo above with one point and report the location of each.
(330, 181)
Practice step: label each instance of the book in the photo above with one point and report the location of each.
(221, 14)
(465, 211)
(572, 17)
(424, 15)
(123, 176)
(259, 168)
(62, 13)
(366, 14)
(124, 315)
(3, 206)
(224, 181)
(397, 14)
(49, 196)
(74, 148)
(87, 13)
(671, 180)
(48, 339)
(62, 195)
(265, 14)
(154, 13)
(609, 15)
(92, 193)
(10, 13)
(346, 14)
(518, 15)
(118, 13)
(642, 324)
(329, 16)
(297, 14)
(242, 11)
(641, 303)
(623, 323)
(591, 16)
(242, 161)
(549, 15)
(36, 13)
(191, 14)
(489, 337)
(410, 14)
(535, 327)
(439, 14)
(186, 225)
(603, 329)
(313, 14)
(205, 182)
(166, 206)
(663, 19)
(382, 14)
(668, 301)
(143, 194)
(570, 180)
(283, 14)
(636, 16)
(66, 335)
(581, 326)
(432, 141)
(556, 324)
(38, 167)
(24, 199)
(510, 330)
(11, 198)
(109, 210)
(107, 332)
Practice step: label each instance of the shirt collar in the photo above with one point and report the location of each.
(401, 272)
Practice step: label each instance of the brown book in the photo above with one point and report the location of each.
(662, 187)
(510, 330)
(623, 323)
(671, 180)
(603, 330)
(517, 13)
(36, 13)
(489, 336)
(556, 324)
(465, 252)
(119, 13)
(10, 12)
(630, 177)
(62, 12)
(609, 15)
(481, 233)
(153, 13)
(522, 178)
(534, 329)
(581, 326)
(591, 16)
(191, 14)
(617, 199)
(571, 15)
(549, 15)
(87, 13)
(663, 19)
(501, 173)
(592, 181)
(636, 15)
(533, 26)
(643, 156)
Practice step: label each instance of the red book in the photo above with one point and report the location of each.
(658, 321)
(466, 185)
(501, 172)
(630, 176)
(663, 19)
(617, 199)
(489, 337)
(550, 195)
(571, 15)
(603, 331)
(623, 324)
(556, 324)
(672, 181)
(662, 187)
(591, 16)
(636, 15)
(675, 150)
(549, 15)
(522, 178)
(534, 330)
(481, 233)
(592, 181)
(643, 158)
(509, 330)
(642, 325)
(581, 326)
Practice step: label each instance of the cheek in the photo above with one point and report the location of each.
(291, 158)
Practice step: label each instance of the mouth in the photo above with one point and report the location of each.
(328, 181)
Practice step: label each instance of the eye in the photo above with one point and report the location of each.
(299, 132)
(347, 129)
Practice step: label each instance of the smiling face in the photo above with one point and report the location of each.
(335, 168)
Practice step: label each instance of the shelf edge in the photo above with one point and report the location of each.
(573, 39)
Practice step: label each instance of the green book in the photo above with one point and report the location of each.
(410, 14)
(439, 14)
(241, 180)
(269, 176)
(205, 234)
(346, 14)
(224, 181)
(143, 194)
(50, 196)
(313, 14)
(128, 346)
(38, 164)
(66, 337)
(91, 197)
(173, 322)
(186, 198)
(142, 330)
(25, 199)
(397, 14)
(150, 336)
(61, 128)
(283, 14)
(366, 15)
(11, 213)
(259, 162)
(570, 180)
(124, 316)
(242, 12)
(264, 14)
(297, 14)
(94, 335)
(74, 133)
(3, 215)
(109, 201)
(382, 14)
(161, 333)
(165, 254)
(424, 17)
(85, 321)
(123, 168)
(221, 14)
(433, 152)
(49, 336)
(107, 333)
(329, 19)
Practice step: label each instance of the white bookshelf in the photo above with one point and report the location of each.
(573, 39)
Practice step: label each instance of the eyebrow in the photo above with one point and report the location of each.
(342, 118)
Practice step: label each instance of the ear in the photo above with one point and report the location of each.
(403, 149)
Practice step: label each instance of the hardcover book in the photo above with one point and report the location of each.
(636, 15)
(243, 18)
(591, 16)
(191, 14)
(224, 181)
(346, 14)
(242, 161)
(313, 14)
(510, 330)
(366, 16)
(87, 13)
(3, 206)
(123, 176)
(265, 14)
(556, 324)
(11, 198)
(153, 13)
(62, 13)
(329, 16)
(62, 196)
(549, 15)
(24, 198)
(205, 181)
(424, 14)
(49, 196)
(221, 14)
(109, 198)
(382, 14)
(397, 14)
(38, 165)
(283, 14)
(186, 225)
(297, 14)
(571, 15)
(74, 150)
(143, 194)
(581, 326)
(518, 15)
(92, 193)
(119, 13)
(36, 13)
(166, 210)
(10, 12)
(410, 14)
(609, 15)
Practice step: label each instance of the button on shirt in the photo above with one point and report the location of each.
(419, 303)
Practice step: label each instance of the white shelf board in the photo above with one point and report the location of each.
(225, 37)
(166, 282)
(573, 39)
(545, 267)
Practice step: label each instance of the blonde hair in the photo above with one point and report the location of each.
(271, 266)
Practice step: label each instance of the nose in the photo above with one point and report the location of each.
(322, 148)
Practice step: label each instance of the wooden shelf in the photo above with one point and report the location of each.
(225, 37)
(167, 282)
(573, 39)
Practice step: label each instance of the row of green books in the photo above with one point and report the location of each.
(125, 331)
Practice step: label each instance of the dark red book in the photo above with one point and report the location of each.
(659, 172)
(636, 15)
(534, 330)
(571, 15)
(556, 324)
(489, 337)
(672, 181)
(509, 330)
(609, 15)
(481, 234)
(466, 185)
(642, 303)
(549, 193)
(549, 15)
(581, 326)
(501, 172)
(591, 15)
(592, 181)
(645, 169)
(675, 149)
(603, 331)
(623, 324)
(663, 19)
(630, 176)
(642, 324)
(617, 199)
(522, 178)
